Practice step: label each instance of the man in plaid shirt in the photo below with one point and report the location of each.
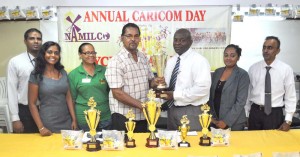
(129, 76)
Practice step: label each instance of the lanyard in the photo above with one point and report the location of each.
(31, 60)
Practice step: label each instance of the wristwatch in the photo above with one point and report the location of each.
(288, 122)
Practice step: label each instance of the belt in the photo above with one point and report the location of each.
(22, 104)
(261, 107)
(182, 106)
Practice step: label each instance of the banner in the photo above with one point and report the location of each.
(102, 26)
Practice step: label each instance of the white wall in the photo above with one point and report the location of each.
(25, 3)
(250, 35)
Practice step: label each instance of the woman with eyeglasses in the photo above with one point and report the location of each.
(48, 83)
(86, 81)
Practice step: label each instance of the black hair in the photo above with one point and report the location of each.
(82, 45)
(40, 62)
(130, 25)
(26, 34)
(238, 50)
(275, 38)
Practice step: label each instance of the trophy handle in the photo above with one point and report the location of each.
(157, 115)
(209, 120)
(88, 122)
(97, 119)
(145, 113)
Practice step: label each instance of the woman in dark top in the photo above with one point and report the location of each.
(229, 91)
(49, 83)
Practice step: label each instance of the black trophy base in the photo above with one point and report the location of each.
(204, 141)
(93, 146)
(152, 143)
(184, 144)
(130, 143)
(159, 94)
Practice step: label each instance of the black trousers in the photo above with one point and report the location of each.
(27, 120)
(118, 123)
(258, 120)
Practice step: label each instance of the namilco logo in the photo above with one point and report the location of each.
(75, 34)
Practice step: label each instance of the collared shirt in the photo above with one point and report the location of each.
(282, 86)
(133, 77)
(83, 86)
(18, 72)
(193, 79)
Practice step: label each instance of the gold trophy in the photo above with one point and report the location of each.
(184, 129)
(205, 120)
(130, 125)
(151, 111)
(159, 62)
(92, 117)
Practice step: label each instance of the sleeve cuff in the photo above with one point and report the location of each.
(176, 95)
(289, 116)
(15, 118)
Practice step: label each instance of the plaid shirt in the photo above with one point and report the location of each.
(133, 77)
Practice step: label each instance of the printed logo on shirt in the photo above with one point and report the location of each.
(102, 81)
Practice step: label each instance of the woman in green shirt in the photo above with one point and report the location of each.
(88, 80)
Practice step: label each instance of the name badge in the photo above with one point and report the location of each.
(86, 80)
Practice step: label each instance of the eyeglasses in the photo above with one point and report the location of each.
(128, 36)
(53, 52)
(89, 53)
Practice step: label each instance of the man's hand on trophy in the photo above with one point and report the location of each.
(168, 95)
(157, 81)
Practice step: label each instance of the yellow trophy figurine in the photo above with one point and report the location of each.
(92, 117)
(130, 126)
(205, 120)
(151, 111)
(184, 129)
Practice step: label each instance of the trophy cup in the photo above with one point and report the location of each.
(159, 62)
(184, 129)
(92, 117)
(130, 125)
(205, 120)
(151, 111)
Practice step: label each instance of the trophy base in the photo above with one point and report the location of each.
(204, 141)
(93, 146)
(184, 144)
(159, 94)
(130, 143)
(152, 143)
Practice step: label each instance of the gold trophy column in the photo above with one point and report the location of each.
(205, 120)
(92, 117)
(130, 126)
(151, 111)
(159, 62)
(184, 129)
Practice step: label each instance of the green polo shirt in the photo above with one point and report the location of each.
(82, 90)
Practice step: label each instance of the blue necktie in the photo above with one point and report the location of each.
(173, 81)
(268, 96)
